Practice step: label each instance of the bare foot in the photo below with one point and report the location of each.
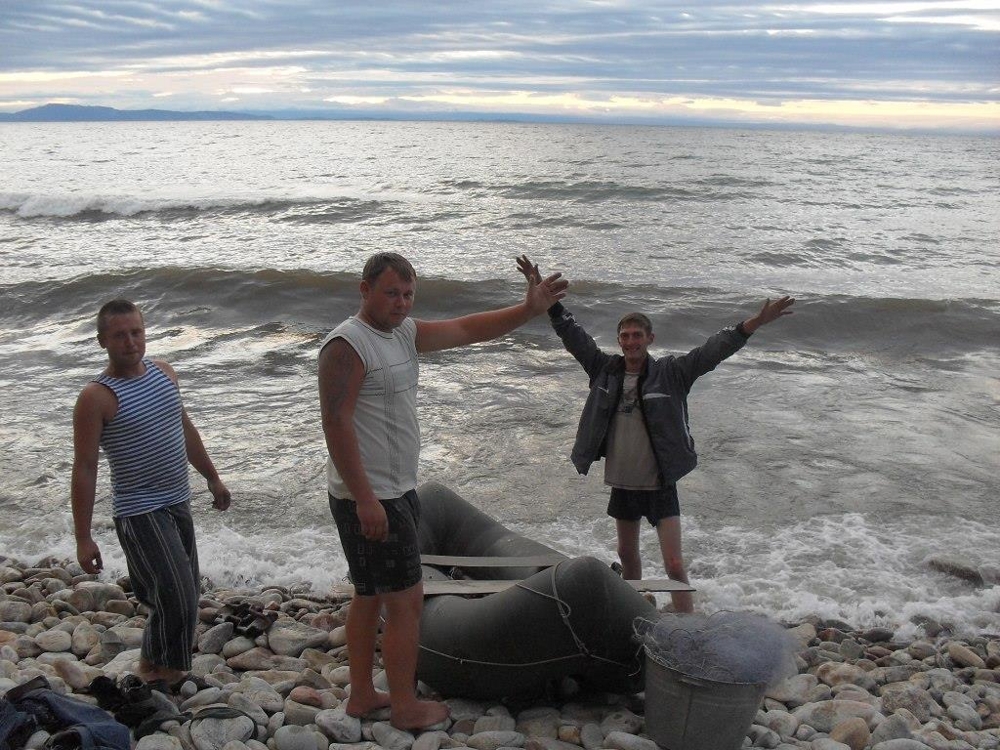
(359, 705)
(420, 715)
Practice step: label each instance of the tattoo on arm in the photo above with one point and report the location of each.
(340, 371)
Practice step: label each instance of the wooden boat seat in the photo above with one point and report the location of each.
(474, 587)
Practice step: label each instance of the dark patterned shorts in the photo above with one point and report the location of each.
(381, 567)
(655, 505)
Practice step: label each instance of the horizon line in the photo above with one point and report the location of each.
(301, 114)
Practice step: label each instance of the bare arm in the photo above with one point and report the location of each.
(95, 405)
(470, 329)
(197, 454)
(341, 374)
(769, 312)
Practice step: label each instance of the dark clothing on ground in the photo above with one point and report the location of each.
(71, 722)
(163, 568)
(381, 567)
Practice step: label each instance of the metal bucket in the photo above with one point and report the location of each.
(693, 713)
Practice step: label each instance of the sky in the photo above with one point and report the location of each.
(897, 64)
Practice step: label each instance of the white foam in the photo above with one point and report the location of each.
(864, 570)
(68, 204)
(226, 557)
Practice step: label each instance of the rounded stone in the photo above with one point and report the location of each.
(292, 737)
(211, 733)
(591, 736)
(781, 722)
(307, 696)
(247, 706)
(921, 650)
(494, 724)
(965, 656)
(387, 736)
(291, 638)
(15, 610)
(431, 741)
(895, 727)
(914, 699)
(852, 732)
(214, 639)
(567, 733)
(827, 743)
(237, 646)
(54, 640)
(901, 744)
(795, 690)
(494, 740)
(622, 720)
(825, 715)
(628, 741)
(338, 726)
(159, 741)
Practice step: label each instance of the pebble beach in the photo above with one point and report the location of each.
(277, 656)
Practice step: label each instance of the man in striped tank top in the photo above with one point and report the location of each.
(133, 411)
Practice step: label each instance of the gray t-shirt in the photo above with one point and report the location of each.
(385, 415)
(630, 463)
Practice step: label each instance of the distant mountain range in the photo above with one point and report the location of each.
(79, 113)
(76, 113)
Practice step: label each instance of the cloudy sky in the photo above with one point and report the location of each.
(903, 63)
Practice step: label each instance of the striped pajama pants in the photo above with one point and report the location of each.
(163, 568)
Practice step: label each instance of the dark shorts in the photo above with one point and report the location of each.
(381, 567)
(631, 505)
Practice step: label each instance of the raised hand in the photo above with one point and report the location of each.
(769, 312)
(529, 269)
(541, 293)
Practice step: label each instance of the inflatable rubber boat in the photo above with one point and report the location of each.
(564, 617)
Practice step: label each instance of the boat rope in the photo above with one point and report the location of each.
(481, 663)
(565, 610)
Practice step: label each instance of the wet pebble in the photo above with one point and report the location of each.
(855, 690)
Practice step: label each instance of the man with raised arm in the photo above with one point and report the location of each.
(367, 387)
(636, 417)
(134, 411)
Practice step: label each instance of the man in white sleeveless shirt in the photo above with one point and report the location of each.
(367, 385)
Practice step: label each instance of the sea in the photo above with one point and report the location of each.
(849, 454)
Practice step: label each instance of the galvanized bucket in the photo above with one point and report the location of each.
(694, 713)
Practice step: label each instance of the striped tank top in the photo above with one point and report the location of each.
(144, 443)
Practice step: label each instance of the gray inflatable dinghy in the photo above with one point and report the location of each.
(571, 617)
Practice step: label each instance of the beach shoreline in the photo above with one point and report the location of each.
(277, 655)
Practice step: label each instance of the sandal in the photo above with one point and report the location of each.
(129, 700)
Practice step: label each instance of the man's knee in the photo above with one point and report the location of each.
(406, 604)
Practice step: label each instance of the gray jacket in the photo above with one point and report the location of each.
(663, 387)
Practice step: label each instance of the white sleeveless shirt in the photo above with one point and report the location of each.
(385, 415)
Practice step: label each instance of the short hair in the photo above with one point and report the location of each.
(114, 307)
(379, 262)
(636, 318)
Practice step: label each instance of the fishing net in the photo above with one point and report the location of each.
(734, 647)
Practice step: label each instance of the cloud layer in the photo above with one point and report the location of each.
(907, 64)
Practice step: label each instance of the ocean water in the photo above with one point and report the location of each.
(844, 449)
